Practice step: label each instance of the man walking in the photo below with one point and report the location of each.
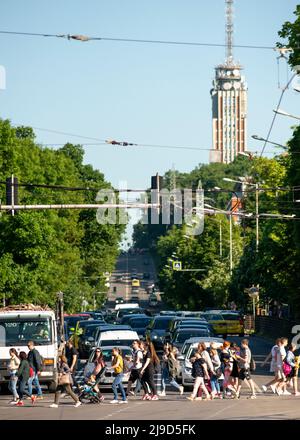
(72, 358)
(36, 363)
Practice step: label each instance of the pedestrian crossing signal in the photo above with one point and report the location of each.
(177, 265)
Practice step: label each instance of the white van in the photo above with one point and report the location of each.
(118, 338)
(126, 306)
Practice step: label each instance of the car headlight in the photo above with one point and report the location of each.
(155, 336)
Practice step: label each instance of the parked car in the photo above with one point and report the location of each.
(156, 330)
(119, 300)
(108, 377)
(134, 299)
(146, 275)
(87, 340)
(187, 320)
(226, 322)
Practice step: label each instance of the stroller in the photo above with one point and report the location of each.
(87, 392)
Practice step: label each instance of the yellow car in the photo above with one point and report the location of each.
(135, 283)
(226, 322)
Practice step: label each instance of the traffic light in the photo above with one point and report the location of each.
(12, 193)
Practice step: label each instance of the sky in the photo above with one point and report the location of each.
(140, 93)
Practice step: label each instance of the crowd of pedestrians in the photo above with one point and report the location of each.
(218, 372)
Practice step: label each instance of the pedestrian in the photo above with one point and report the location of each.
(150, 361)
(172, 370)
(217, 374)
(23, 374)
(137, 364)
(226, 365)
(272, 356)
(72, 356)
(244, 359)
(98, 371)
(292, 361)
(199, 372)
(13, 366)
(234, 374)
(64, 382)
(201, 349)
(277, 355)
(36, 363)
(118, 367)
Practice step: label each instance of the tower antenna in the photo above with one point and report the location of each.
(229, 32)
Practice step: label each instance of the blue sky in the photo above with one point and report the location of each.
(150, 94)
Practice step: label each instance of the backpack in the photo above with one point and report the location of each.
(252, 364)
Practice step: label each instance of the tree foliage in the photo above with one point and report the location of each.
(43, 252)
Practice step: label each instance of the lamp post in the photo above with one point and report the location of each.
(253, 292)
(283, 113)
(261, 139)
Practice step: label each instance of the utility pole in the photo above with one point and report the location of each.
(230, 242)
(257, 215)
(221, 247)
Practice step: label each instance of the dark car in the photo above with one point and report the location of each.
(87, 340)
(187, 323)
(146, 275)
(181, 335)
(140, 324)
(71, 321)
(157, 330)
(126, 318)
(123, 312)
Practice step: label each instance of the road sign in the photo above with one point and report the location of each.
(177, 265)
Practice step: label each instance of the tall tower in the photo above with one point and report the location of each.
(229, 103)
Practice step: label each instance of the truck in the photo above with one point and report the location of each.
(27, 322)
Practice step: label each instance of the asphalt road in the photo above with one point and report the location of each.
(127, 265)
(172, 407)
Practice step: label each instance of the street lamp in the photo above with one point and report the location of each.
(253, 292)
(259, 138)
(283, 113)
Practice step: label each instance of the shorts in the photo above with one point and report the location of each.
(279, 373)
(134, 375)
(244, 373)
(293, 373)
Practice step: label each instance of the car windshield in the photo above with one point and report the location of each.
(231, 316)
(142, 322)
(123, 342)
(183, 336)
(19, 331)
(107, 353)
(161, 324)
(214, 317)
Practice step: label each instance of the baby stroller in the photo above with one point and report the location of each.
(87, 392)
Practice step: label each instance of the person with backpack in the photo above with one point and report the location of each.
(217, 374)
(13, 379)
(118, 367)
(171, 369)
(23, 374)
(150, 362)
(292, 362)
(36, 363)
(137, 364)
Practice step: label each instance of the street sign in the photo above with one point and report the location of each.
(177, 265)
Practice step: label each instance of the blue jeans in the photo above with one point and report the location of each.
(117, 383)
(34, 380)
(215, 386)
(166, 377)
(12, 386)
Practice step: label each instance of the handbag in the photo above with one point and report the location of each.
(64, 379)
(286, 368)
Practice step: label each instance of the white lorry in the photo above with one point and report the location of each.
(20, 324)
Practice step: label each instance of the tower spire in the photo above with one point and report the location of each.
(229, 32)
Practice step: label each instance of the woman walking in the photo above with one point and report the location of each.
(217, 371)
(170, 370)
(291, 360)
(118, 367)
(150, 360)
(23, 374)
(64, 382)
(13, 366)
(199, 372)
(99, 363)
